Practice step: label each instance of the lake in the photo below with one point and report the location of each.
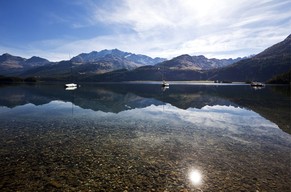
(139, 137)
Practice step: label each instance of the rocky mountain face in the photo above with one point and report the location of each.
(127, 57)
(187, 62)
(105, 64)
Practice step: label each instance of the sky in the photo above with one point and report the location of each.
(60, 29)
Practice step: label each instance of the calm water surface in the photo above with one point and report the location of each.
(137, 137)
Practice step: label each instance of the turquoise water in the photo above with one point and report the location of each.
(138, 137)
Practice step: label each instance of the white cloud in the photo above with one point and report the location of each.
(228, 118)
(215, 28)
(168, 28)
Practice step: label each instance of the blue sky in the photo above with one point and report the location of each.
(57, 29)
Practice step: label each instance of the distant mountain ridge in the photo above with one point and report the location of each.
(187, 62)
(100, 62)
(96, 56)
(10, 61)
(110, 60)
(10, 64)
(85, 63)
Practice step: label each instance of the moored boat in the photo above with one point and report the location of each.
(257, 84)
(165, 84)
(71, 86)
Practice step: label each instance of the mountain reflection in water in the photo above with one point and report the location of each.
(273, 105)
(136, 137)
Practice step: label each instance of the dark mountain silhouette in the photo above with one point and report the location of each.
(36, 61)
(13, 65)
(262, 67)
(10, 62)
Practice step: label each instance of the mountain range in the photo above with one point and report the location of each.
(96, 63)
(271, 62)
(96, 56)
(187, 62)
(116, 65)
(85, 63)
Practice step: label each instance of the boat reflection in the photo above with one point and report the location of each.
(70, 88)
(164, 88)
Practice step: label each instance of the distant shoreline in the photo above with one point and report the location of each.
(32, 80)
(184, 82)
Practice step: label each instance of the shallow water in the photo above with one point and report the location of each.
(137, 137)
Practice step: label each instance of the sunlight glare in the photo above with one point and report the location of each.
(195, 177)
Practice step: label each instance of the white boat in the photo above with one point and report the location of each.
(257, 84)
(71, 86)
(165, 84)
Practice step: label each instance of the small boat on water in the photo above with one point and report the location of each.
(71, 86)
(165, 84)
(257, 84)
